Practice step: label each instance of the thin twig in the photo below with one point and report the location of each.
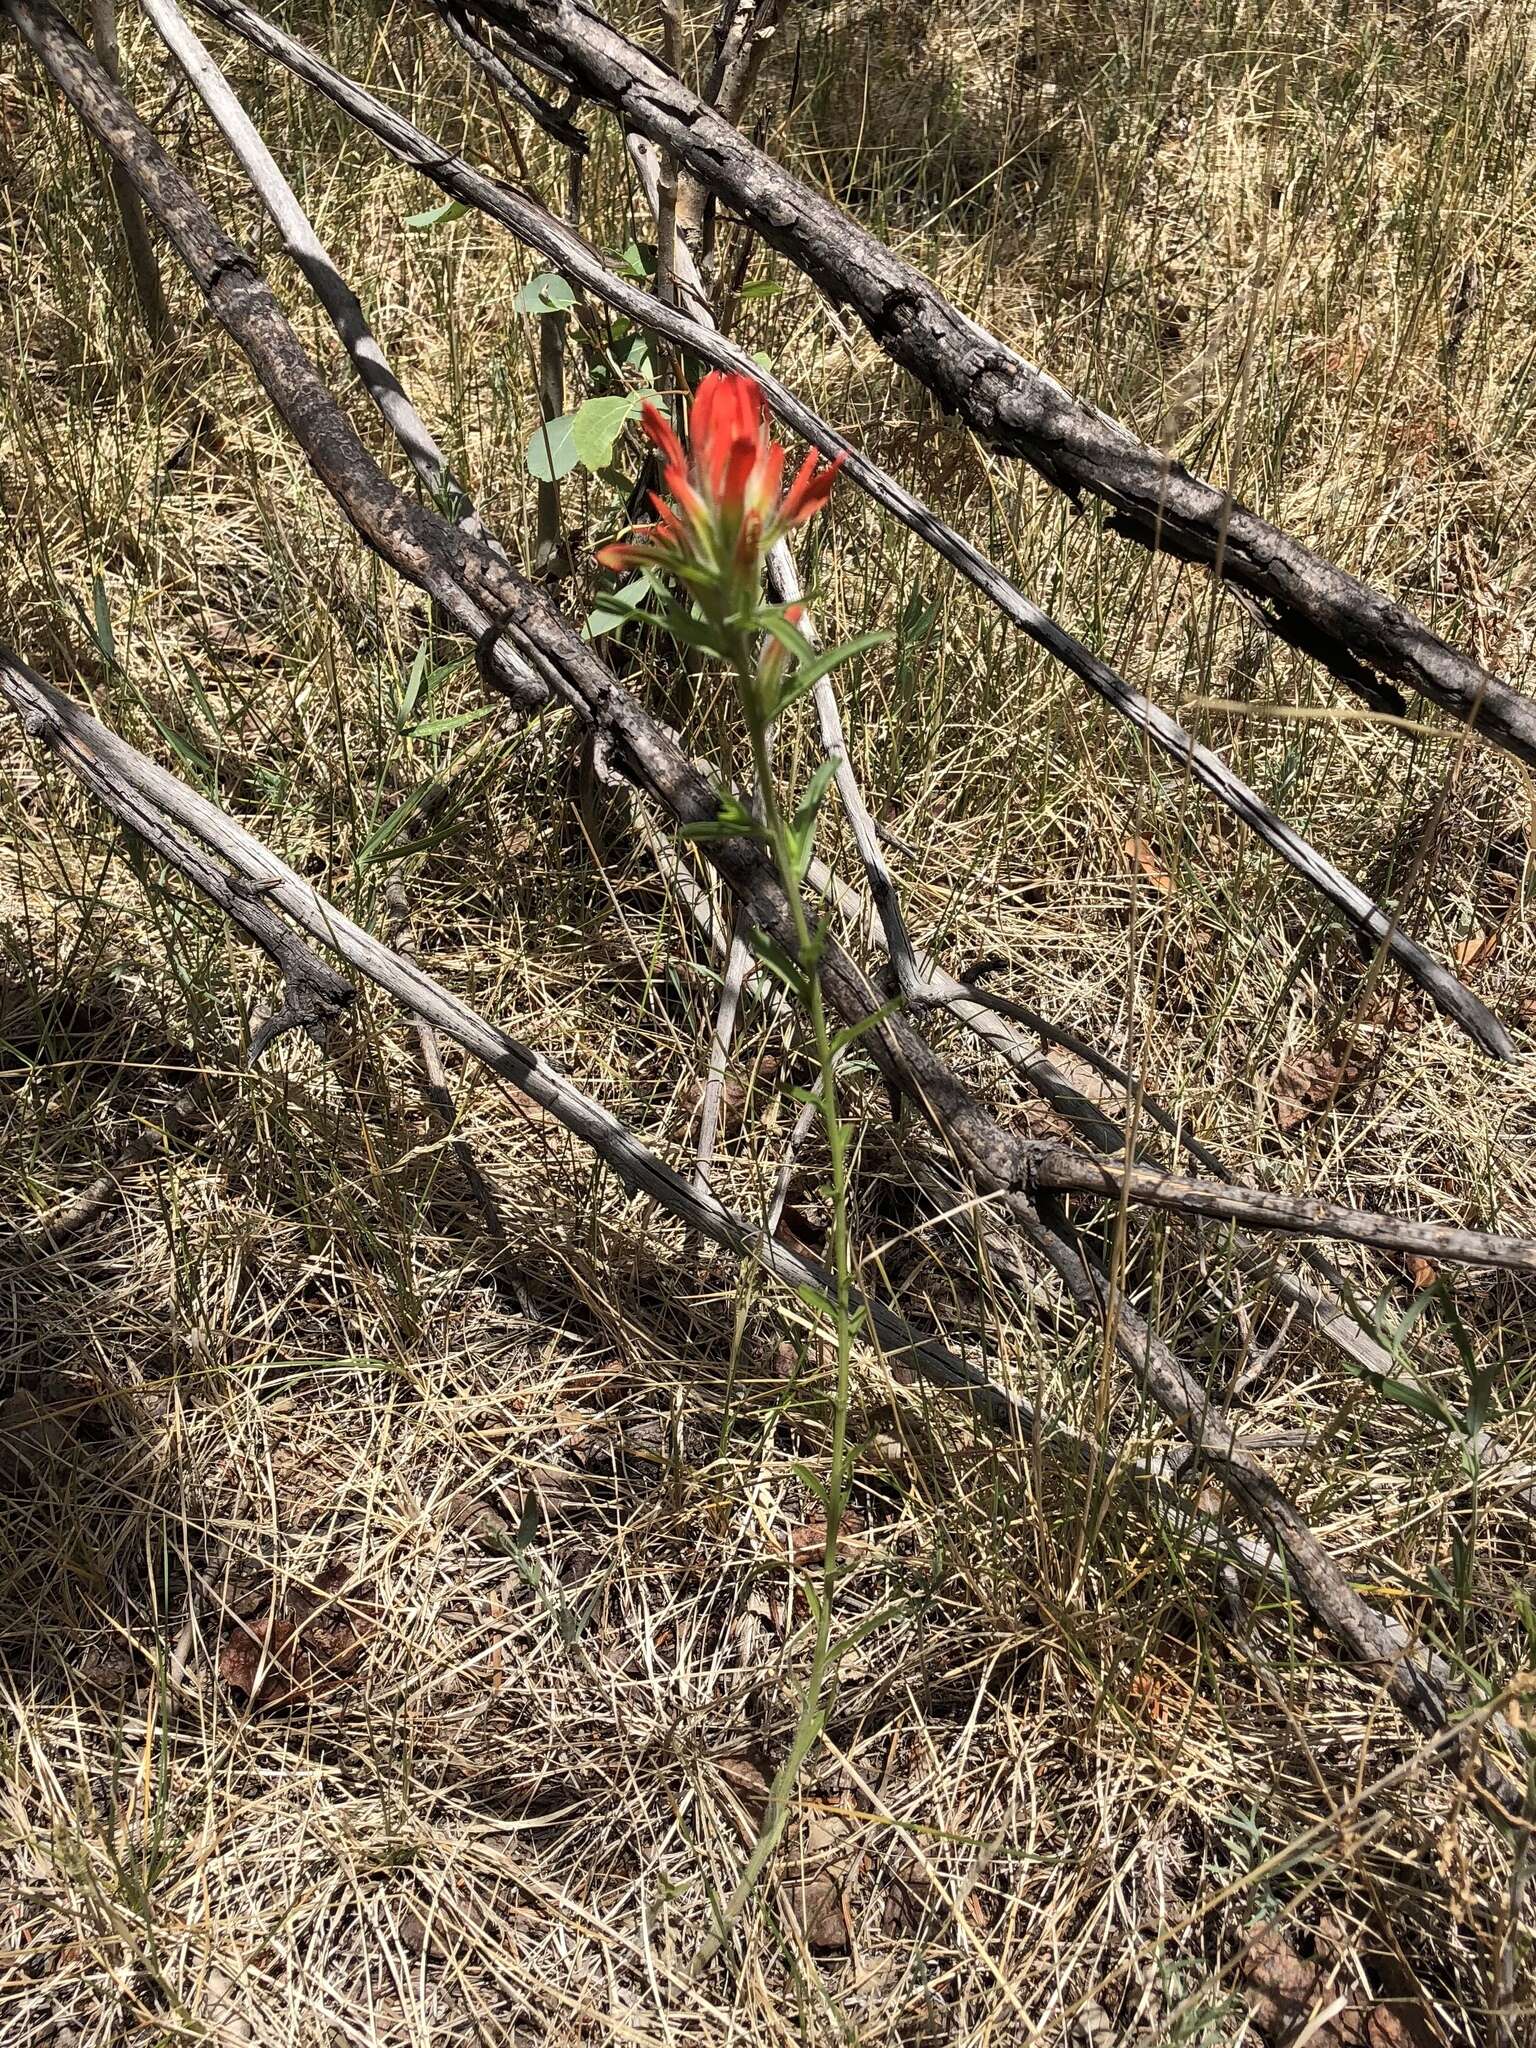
(555, 121)
(744, 30)
(738, 970)
(666, 209)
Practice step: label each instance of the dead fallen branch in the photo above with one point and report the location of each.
(1356, 632)
(531, 222)
(313, 994)
(136, 788)
(998, 1163)
(1069, 1173)
(188, 830)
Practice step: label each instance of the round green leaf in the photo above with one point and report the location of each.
(547, 293)
(551, 450)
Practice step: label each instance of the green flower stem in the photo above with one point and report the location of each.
(812, 1716)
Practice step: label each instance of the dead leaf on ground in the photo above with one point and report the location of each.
(1422, 1272)
(733, 1101)
(34, 1435)
(1473, 951)
(818, 1872)
(301, 1646)
(821, 1906)
(1310, 1083)
(239, 642)
(808, 1540)
(1145, 857)
(822, 1881)
(1292, 1995)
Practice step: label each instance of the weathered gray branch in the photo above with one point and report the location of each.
(314, 260)
(530, 221)
(998, 1163)
(253, 884)
(313, 994)
(1359, 634)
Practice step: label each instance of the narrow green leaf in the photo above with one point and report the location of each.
(106, 644)
(810, 673)
(778, 963)
(391, 827)
(917, 618)
(687, 627)
(772, 621)
(1408, 1394)
(852, 1033)
(437, 216)
(185, 752)
(803, 825)
(729, 822)
(434, 727)
(413, 682)
(814, 1485)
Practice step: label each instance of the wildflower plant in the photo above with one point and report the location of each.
(724, 510)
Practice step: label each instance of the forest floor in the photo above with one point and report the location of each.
(400, 1617)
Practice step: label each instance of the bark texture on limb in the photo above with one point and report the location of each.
(1357, 633)
(531, 222)
(996, 1161)
(148, 289)
(164, 811)
(313, 993)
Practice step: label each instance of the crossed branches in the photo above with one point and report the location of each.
(534, 655)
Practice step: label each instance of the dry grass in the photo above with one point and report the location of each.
(536, 1514)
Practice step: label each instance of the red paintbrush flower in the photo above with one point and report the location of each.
(726, 511)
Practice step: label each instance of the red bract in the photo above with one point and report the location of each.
(726, 511)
